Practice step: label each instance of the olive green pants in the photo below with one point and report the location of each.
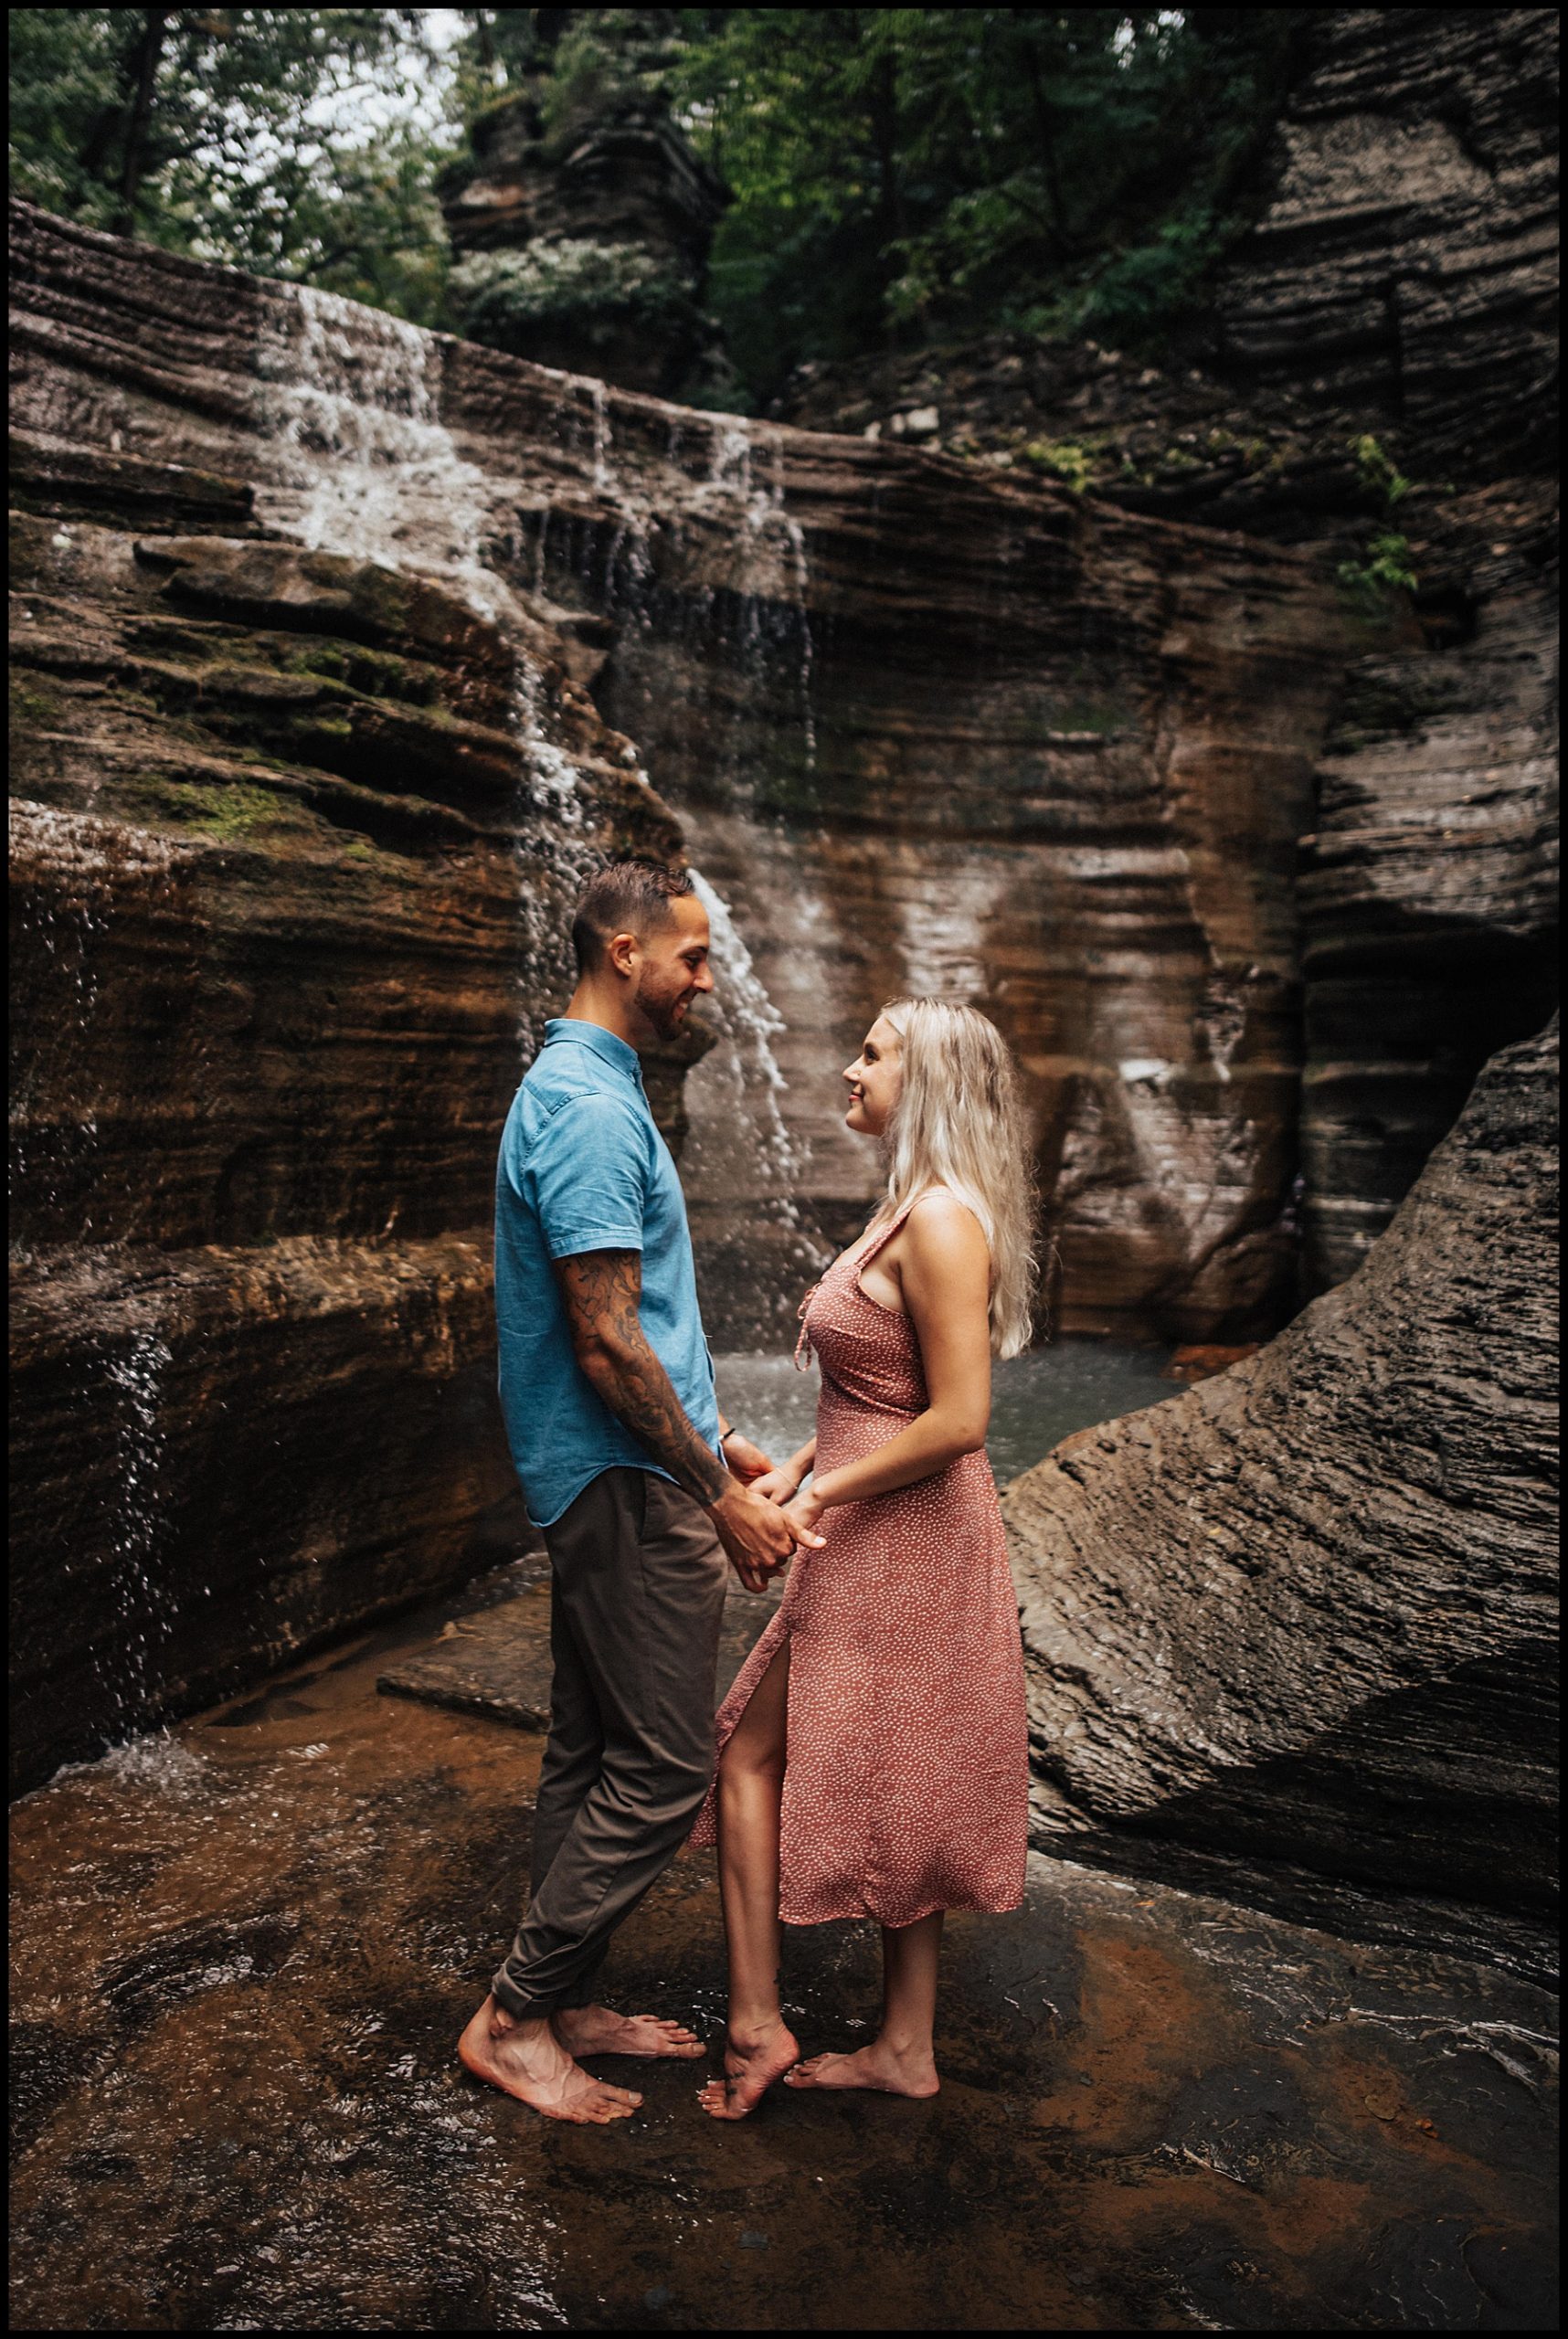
(637, 1599)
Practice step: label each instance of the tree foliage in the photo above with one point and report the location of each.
(284, 141)
(900, 175)
(908, 173)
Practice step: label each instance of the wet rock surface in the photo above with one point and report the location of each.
(1306, 1612)
(293, 832)
(244, 1953)
(928, 728)
(498, 1662)
(1379, 362)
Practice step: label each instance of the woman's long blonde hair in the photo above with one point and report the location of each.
(960, 1123)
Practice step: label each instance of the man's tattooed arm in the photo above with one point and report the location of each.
(600, 1290)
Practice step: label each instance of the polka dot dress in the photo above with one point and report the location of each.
(906, 1785)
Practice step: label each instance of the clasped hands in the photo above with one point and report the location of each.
(763, 1540)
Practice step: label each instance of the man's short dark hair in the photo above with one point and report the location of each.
(631, 895)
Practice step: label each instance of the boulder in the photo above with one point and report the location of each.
(1302, 1616)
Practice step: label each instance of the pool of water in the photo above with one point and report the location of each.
(1036, 1400)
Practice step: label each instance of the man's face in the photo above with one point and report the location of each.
(672, 967)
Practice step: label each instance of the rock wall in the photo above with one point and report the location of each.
(1303, 1614)
(1406, 265)
(1036, 754)
(292, 837)
(581, 219)
(312, 606)
(935, 728)
(1393, 316)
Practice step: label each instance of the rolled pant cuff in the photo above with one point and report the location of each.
(519, 2007)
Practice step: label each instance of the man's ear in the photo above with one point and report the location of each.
(620, 952)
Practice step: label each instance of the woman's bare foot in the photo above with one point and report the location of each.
(912, 2072)
(594, 2030)
(529, 2062)
(753, 2059)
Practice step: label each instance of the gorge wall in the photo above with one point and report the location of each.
(309, 607)
(341, 646)
(1379, 360)
(293, 837)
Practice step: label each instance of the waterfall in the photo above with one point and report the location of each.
(352, 398)
(142, 1599)
(744, 1060)
(741, 1170)
(772, 571)
(351, 401)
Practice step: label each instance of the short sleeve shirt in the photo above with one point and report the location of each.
(583, 1167)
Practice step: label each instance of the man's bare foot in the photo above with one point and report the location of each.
(594, 2030)
(911, 2072)
(753, 2059)
(529, 2062)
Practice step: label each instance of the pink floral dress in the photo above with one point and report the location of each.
(906, 1784)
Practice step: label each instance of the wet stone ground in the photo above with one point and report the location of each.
(243, 1954)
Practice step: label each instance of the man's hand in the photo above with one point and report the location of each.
(744, 1460)
(755, 1534)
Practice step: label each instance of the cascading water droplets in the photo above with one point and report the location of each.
(136, 1379)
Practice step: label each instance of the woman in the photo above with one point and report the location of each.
(873, 1752)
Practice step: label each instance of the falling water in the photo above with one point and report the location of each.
(369, 469)
(744, 1060)
(774, 573)
(352, 398)
(600, 438)
(741, 1167)
(142, 1599)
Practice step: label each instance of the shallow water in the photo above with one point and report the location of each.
(242, 1953)
(1036, 1400)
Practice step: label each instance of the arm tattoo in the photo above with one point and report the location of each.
(600, 1290)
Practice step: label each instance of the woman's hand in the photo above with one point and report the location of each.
(801, 1517)
(776, 1486)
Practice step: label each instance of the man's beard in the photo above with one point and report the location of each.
(663, 1014)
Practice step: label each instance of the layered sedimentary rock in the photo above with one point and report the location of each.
(1428, 885)
(935, 730)
(1406, 264)
(1038, 756)
(222, 1454)
(1402, 279)
(311, 604)
(581, 222)
(1379, 364)
(292, 837)
(1305, 1613)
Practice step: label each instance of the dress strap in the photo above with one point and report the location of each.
(803, 1342)
(886, 1233)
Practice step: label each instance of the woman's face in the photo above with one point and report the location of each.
(874, 1080)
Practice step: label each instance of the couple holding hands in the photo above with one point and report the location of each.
(871, 1759)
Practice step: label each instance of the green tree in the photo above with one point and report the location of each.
(281, 139)
(902, 173)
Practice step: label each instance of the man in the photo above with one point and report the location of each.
(629, 1467)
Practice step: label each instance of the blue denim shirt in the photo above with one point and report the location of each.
(583, 1167)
